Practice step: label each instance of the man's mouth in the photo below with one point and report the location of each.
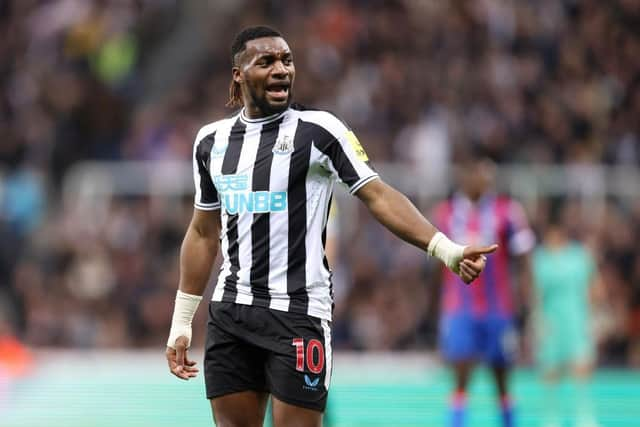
(278, 91)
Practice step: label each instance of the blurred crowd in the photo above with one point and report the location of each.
(550, 81)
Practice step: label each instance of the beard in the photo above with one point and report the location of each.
(264, 105)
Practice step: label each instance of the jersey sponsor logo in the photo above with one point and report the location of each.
(235, 198)
(357, 147)
(225, 183)
(283, 145)
(254, 201)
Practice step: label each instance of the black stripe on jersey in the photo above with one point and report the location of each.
(230, 166)
(297, 207)
(232, 155)
(325, 261)
(259, 275)
(208, 193)
(324, 234)
(330, 146)
(231, 281)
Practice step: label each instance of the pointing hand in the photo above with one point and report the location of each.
(473, 262)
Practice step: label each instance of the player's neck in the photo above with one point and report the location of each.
(258, 119)
(252, 111)
(474, 198)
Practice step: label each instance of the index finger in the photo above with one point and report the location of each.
(481, 250)
(181, 350)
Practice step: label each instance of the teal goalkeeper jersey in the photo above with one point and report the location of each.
(562, 277)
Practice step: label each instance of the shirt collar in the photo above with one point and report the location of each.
(261, 120)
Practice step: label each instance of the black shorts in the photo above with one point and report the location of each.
(255, 348)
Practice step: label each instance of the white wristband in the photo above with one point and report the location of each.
(444, 249)
(185, 308)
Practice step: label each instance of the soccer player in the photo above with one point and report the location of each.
(477, 322)
(264, 179)
(563, 272)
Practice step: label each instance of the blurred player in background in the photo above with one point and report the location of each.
(264, 179)
(563, 271)
(477, 322)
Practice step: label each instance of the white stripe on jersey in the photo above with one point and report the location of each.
(318, 205)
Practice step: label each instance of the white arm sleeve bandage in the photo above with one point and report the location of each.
(444, 249)
(185, 308)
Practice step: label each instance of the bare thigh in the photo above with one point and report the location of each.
(242, 409)
(286, 415)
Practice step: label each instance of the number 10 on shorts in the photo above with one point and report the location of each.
(314, 363)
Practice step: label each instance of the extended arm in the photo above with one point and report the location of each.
(394, 210)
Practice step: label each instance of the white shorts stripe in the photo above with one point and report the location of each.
(328, 353)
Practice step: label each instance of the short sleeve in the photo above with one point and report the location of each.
(347, 159)
(521, 238)
(206, 196)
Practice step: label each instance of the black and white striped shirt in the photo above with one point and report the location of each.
(272, 179)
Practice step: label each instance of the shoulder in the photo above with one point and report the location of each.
(511, 208)
(538, 253)
(213, 127)
(441, 212)
(580, 250)
(505, 202)
(322, 118)
(540, 258)
(206, 130)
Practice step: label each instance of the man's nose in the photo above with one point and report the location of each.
(279, 69)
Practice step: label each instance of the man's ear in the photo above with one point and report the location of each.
(237, 75)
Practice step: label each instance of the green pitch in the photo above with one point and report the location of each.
(129, 389)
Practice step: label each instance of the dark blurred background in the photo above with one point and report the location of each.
(100, 101)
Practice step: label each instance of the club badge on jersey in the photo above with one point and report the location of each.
(283, 145)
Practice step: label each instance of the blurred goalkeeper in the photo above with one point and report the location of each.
(477, 323)
(564, 275)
